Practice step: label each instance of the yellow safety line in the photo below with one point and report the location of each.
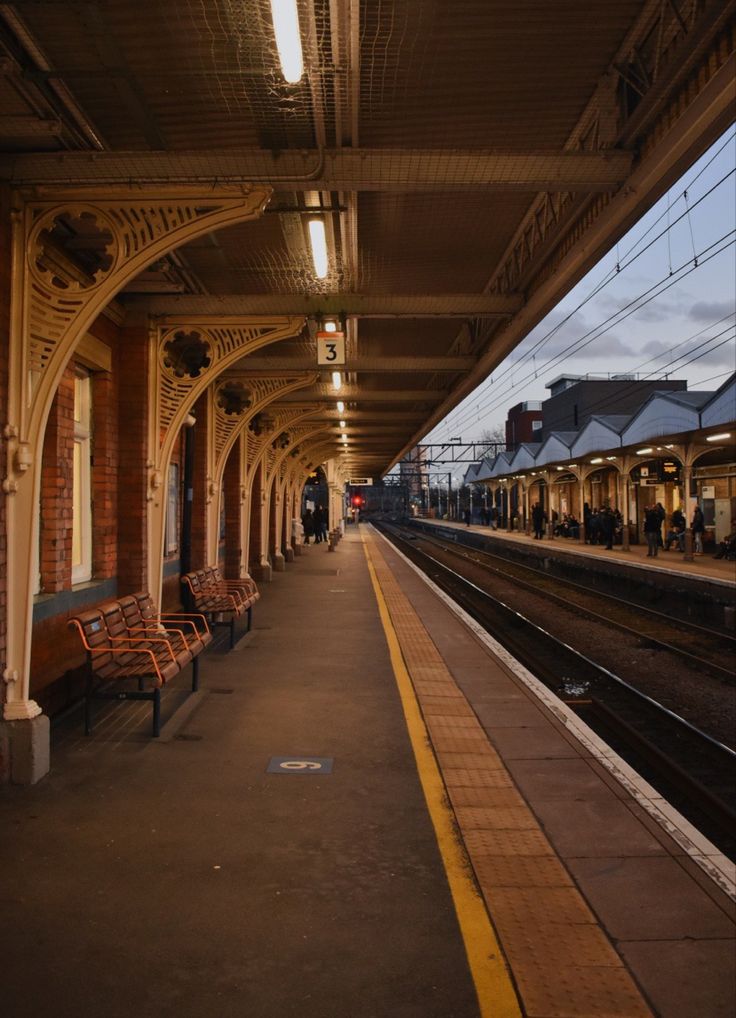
(496, 995)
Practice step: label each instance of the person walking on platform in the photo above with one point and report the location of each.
(538, 517)
(652, 530)
(698, 528)
(308, 524)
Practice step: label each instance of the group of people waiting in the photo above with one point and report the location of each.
(315, 525)
(674, 540)
(603, 525)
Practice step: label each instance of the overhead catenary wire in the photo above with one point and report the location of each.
(636, 304)
(453, 424)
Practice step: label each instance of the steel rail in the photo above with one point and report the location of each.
(720, 671)
(674, 728)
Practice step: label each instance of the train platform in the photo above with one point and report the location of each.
(370, 810)
(704, 566)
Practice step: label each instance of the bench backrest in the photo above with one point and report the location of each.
(92, 629)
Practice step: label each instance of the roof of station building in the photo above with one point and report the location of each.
(470, 162)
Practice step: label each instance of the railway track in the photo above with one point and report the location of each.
(710, 649)
(692, 770)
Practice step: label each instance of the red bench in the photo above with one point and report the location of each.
(133, 651)
(222, 601)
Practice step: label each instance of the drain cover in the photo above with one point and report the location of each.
(300, 765)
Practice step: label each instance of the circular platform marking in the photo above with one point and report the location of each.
(300, 765)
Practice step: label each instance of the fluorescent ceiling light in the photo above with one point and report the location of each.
(318, 242)
(643, 452)
(340, 407)
(288, 41)
(598, 459)
(718, 438)
(336, 379)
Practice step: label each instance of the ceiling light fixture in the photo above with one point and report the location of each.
(340, 407)
(718, 438)
(598, 459)
(643, 452)
(288, 41)
(330, 326)
(342, 424)
(318, 241)
(337, 380)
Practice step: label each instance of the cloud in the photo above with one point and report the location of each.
(710, 310)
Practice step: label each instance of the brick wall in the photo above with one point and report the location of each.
(199, 493)
(233, 550)
(132, 441)
(55, 553)
(256, 512)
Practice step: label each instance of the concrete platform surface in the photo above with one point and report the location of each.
(181, 879)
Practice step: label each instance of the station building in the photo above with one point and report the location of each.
(677, 449)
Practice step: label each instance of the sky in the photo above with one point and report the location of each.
(658, 314)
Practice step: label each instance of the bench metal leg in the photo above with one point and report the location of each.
(195, 674)
(156, 713)
(232, 632)
(250, 618)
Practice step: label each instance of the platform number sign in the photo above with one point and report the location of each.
(330, 349)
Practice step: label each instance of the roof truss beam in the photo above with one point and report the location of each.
(359, 169)
(227, 308)
(389, 364)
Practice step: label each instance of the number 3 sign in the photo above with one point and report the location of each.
(330, 348)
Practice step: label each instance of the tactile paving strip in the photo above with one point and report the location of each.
(563, 963)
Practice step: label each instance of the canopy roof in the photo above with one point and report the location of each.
(470, 162)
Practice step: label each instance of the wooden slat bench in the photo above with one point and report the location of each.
(222, 601)
(126, 649)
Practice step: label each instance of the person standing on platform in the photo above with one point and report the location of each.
(698, 529)
(538, 521)
(317, 517)
(308, 524)
(466, 517)
(652, 530)
(660, 510)
(607, 524)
